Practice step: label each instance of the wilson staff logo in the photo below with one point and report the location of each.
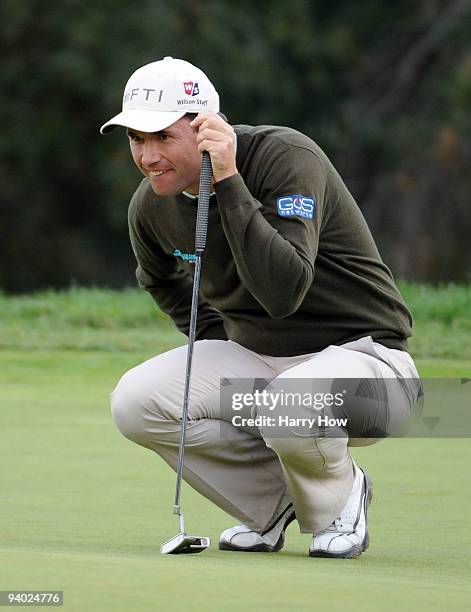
(191, 89)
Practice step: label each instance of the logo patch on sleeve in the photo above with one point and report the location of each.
(296, 206)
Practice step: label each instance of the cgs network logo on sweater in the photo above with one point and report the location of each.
(296, 206)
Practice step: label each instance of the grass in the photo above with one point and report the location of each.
(85, 319)
(442, 320)
(84, 511)
(98, 319)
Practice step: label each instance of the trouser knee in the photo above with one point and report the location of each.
(321, 455)
(128, 412)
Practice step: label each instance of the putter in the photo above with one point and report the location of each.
(183, 543)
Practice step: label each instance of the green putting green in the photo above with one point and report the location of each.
(84, 511)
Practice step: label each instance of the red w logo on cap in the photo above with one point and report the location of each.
(191, 88)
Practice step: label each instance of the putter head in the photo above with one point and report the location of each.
(185, 544)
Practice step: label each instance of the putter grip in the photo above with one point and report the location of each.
(203, 203)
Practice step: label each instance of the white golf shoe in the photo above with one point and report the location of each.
(347, 536)
(242, 538)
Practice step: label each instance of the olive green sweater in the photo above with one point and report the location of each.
(282, 275)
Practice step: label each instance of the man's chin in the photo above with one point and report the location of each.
(169, 192)
(164, 191)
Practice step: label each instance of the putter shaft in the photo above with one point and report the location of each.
(182, 543)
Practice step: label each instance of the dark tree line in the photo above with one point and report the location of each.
(383, 87)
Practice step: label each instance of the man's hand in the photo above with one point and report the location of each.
(218, 138)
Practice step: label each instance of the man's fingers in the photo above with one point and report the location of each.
(221, 149)
(210, 120)
(217, 137)
(207, 133)
(201, 117)
(205, 115)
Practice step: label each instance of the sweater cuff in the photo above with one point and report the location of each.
(215, 331)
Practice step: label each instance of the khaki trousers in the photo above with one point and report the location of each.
(244, 470)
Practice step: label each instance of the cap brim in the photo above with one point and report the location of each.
(143, 121)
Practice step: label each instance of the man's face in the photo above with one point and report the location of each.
(169, 159)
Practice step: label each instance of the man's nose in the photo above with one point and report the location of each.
(151, 153)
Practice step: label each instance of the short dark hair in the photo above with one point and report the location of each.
(191, 116)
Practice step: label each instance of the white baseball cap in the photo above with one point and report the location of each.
(160, 93)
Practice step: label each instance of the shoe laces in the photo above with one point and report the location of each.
(349, 514)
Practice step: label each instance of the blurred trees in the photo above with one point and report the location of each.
(383, 87)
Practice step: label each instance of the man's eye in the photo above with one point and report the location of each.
(134, 137)
(164, 137)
